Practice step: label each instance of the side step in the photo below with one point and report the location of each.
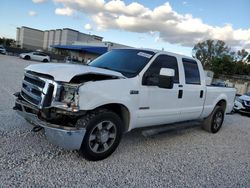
(149, 132)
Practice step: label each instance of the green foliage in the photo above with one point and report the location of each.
(218, 57)
(208, 50)
(223, 65)
(7, 42)
(228, 67)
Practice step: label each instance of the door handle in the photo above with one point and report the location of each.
(180, 94)
(201, 93)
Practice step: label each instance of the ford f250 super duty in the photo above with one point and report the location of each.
(89, 107)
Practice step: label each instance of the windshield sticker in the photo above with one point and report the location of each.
(144, 55)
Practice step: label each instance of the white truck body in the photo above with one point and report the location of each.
(142, 105)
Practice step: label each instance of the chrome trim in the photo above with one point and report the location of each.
(32, 86)
(43, 90)
(31, 94)
(32, 76)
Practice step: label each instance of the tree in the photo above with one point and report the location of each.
(241, 55)
(208, 50)
(7, 42)
(224, 65)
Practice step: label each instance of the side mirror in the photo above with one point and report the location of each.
(166, 78)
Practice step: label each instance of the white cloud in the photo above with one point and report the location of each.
(39, 1)
(171, 26)
(184, 2)
(32, 13)
(88, 27)
(86, 6)
(158, 39)
(66, 11)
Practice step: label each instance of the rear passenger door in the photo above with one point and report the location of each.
(193, 94)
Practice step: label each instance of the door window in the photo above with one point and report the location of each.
(41, 54)
(162, 61)
(192, 73)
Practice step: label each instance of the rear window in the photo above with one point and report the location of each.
(192, 73)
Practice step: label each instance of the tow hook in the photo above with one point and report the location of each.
(37, 129)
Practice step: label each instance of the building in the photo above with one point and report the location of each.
(34, 39)
(29, 38)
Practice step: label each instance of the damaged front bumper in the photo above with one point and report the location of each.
(63, 136)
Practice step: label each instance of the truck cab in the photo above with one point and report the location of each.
(88, 108)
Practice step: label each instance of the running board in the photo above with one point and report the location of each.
(149, 132)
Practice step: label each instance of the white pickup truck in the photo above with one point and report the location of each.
(89, 107)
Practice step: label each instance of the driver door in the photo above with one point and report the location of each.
(159, 105)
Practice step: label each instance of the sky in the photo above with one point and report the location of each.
(173, 25)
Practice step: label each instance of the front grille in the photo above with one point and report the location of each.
(37, 90)
(34, 80)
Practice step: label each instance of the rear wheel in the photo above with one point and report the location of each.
(103, 134)
(215, 120)
(27, 57)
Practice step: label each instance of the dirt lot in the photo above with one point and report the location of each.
(186, 157)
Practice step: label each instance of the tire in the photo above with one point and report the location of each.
(104, 130)
(45, 60)
(215, 120)
(27, 57)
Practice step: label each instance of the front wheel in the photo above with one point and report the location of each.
(215, 120)
(103, 134)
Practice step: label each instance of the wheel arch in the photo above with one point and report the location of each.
(222, 103)
(121, 110)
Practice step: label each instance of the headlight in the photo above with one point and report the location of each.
(69, 96)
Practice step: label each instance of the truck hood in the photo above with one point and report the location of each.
(65, 72)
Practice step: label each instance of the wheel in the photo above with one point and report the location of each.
(215, 120)
(45, 60)
(27, 57)
(103, 134)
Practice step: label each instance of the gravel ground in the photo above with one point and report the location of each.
(184, 157)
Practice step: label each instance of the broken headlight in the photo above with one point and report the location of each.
(69, 96)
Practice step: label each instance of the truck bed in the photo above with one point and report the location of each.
(214, 94)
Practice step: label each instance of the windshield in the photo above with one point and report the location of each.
(129, 62)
